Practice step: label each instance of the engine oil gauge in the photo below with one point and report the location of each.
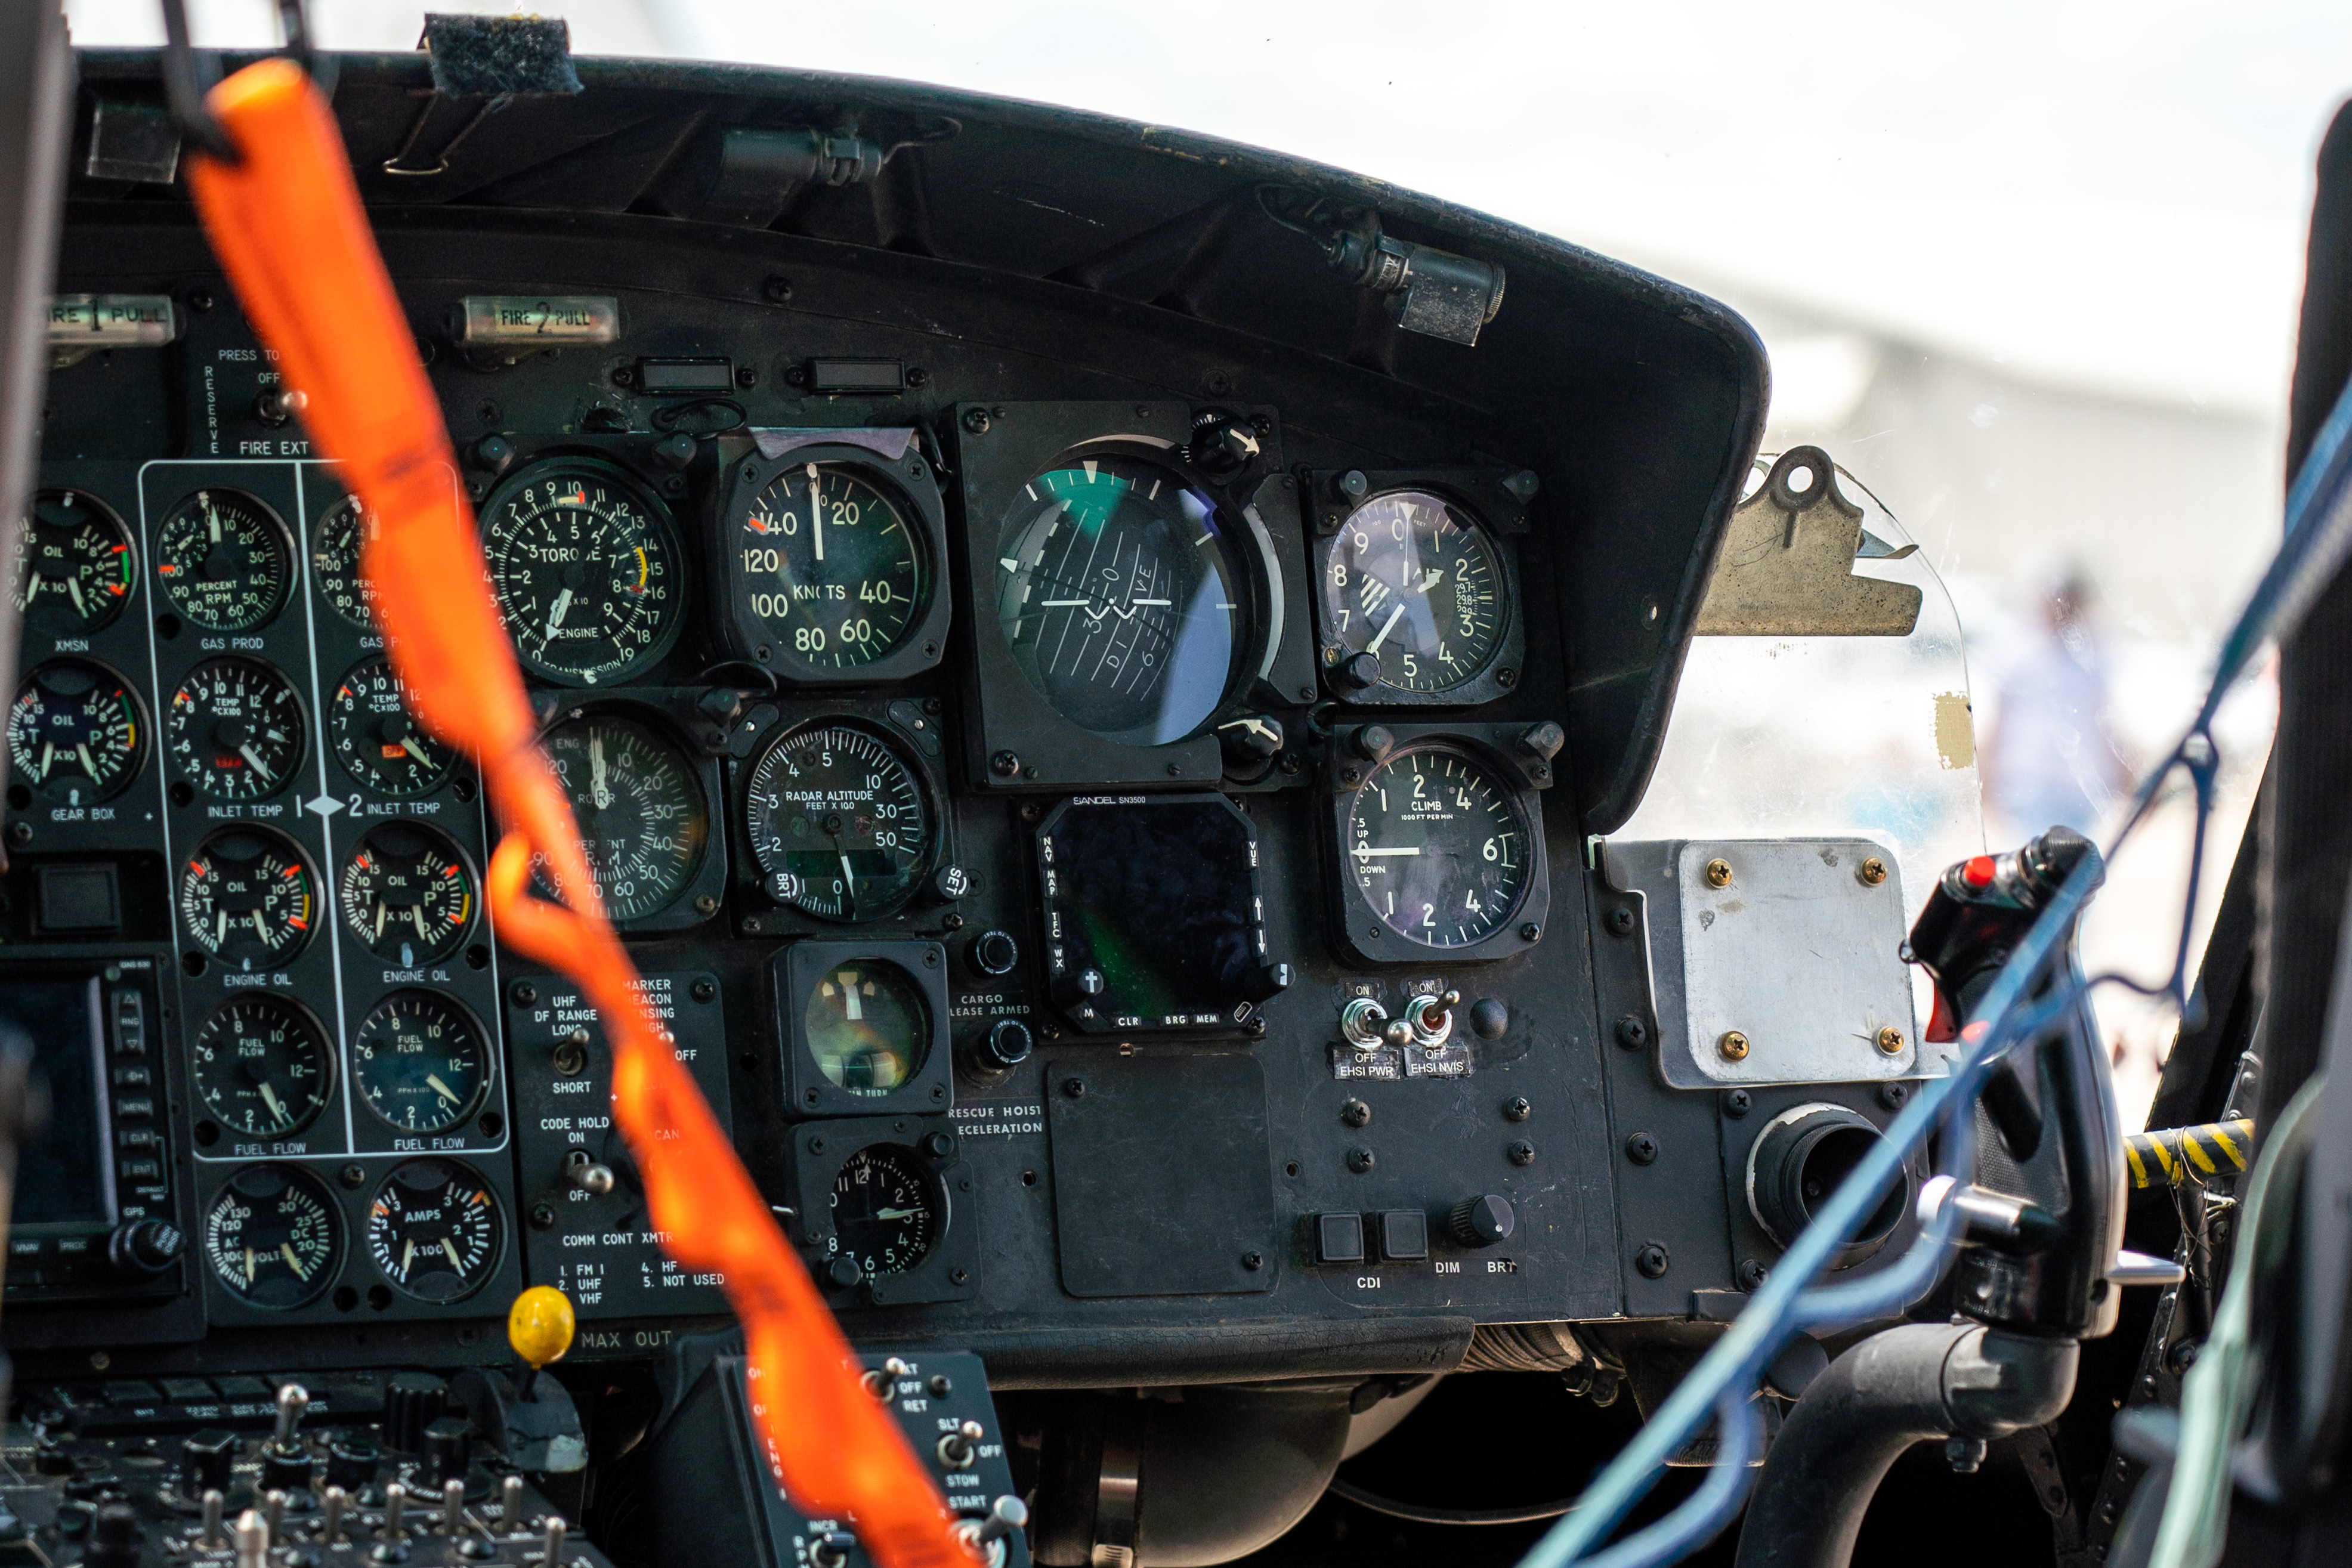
(73, 565)
(406, 895)
(434, 1229)
(75, 734)
(223, 560)
(247, 899)
(273, 1237)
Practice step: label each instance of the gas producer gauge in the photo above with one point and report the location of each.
(335, 545)
(247, 899)
(839, 824)
(73, 565)
(74, 734)
(585, 568)
(261, 1067)
(234, 730)
(273, 1237)
(223, 560)
(434, 1229)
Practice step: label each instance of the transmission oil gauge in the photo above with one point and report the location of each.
(223, 560)
(234, 730)
(1118, 590)
(335, 545)
(831, 565)
(418, 1062)
(433, 1231)
(640, 809)
(369, 726)
(73, 565)
(261, 1067)
(1413, 583)
(885, 1217)
(272, 1236)
(1436, 848)
(584, 566)
(74, 735)
(406, 895)
(838, 823)
(246, 898)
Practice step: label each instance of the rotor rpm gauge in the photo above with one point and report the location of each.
(406, 895)
(1412, 582)
(584, 566)
(831, 565)
(261, 1067)
(434, 1229)
(74, 734)
(224, 560)
(73, 565)
(1436, 847)
(838, 823)
(640, 808)
(376, 741)
(247, 899)
(418, 1062)
(235, 729)
(272, 1236)
(335, 545)
(1122, 598)
(886, 1217)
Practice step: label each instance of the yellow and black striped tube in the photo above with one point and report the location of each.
(2182, 1157)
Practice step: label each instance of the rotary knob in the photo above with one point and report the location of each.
(412, 1402)
(1482, 1221)
(1006, 1046)
(993, 954)
(206, 1459)
(143, 1246)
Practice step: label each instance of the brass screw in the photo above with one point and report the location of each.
(1890, 1040)
(1719, 874)
(1734, 1044)
(1874, 872)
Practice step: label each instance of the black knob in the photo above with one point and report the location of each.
(1221, 447)
(493, 453)
(1265, 980)
(949, 884)
(992, 954)
(845, 1272)
(206, 1459)
(674, 451)
(51, 1457)
(412, 1402)
(1006, 1045)
(1372, 742)
(1252, 739)
(1357, 671)
(352, 1463)
(286, 1469)
(142, 1247)
(1489, 1018)
(448, 1447)
(1482, 1221)
(1352, 486)
(115, 1538)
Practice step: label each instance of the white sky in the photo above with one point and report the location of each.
(2099, 194)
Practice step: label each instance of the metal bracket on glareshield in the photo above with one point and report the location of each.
(1786, 566)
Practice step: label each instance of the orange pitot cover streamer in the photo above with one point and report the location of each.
(288, 224)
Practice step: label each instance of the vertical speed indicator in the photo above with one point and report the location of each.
(1436, 847)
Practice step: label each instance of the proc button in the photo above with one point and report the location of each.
(1339, 1238)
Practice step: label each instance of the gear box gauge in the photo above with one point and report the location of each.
(75, 734)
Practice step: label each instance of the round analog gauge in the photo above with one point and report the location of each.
(374, 738)
(831, 565)
(261, 1067)
(406, 895)
(272, 1236)
(1119, 593)
(73, 565)
(1414, 583)
(433, 1231)
(235, 729)
(886, 1217)
(419, 1063)
(246, 898)
(838, 823)
(585, 570)
(335, 544)
(866, 1026)
(640, 808)
(74, 735)
(223, 559)
(1436, 848)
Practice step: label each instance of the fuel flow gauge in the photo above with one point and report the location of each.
(261, 1067)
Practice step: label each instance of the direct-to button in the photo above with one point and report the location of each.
(1339, 1238)
(1405, 1235)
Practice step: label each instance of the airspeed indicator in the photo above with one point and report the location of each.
(829, 567)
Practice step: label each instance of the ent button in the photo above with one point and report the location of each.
(1339, 1238)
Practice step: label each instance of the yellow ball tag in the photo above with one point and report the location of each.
(539, 1326)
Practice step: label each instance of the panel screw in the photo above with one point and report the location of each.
(1356, 1114)
(702, 990)
(1736, 1103)
(1874, 872)
(975, 420)
(1517, 1109)
(1507, 678)
(1253, 1261)
(1719, 874)
(1530, 931)
(1620, 920)
(777, 290)
(1360, 1160)
(1631, 1032)
(958, 1276)
(354, 1176)
(1175, 770)
(1734, 1045)
(1521, 1153)
(917, 376)
(1075, 1088)
(21, 832)
(1642, 1148)
(706, 905)
(1752, 1274)
(525, 993)
(1890, 1040)
(747, 377)
(1893, 1096)
(1005, 764)
(542, 1217)
(1351, 777)
(1651, 1259)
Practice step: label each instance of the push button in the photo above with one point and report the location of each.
(1339, 1238)
(1405, 1235)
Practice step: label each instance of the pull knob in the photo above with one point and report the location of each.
(1006, 1046)
(412, 1402)
(139, 1248)
(1482, 1221)
(206, 1458)
(350, 1465)
(993, 954)
(1359, 671)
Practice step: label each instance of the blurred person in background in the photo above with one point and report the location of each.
(2051, 756)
